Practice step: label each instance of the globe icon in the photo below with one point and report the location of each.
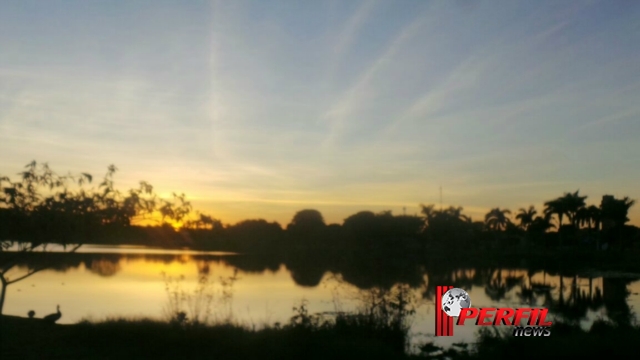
(455, 300)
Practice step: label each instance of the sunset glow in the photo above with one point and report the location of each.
(258, 111)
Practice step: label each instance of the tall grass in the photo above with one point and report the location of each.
(197, 307)
(383, 316)
(199, 324)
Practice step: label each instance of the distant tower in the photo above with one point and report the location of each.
(440, 198)
(404, 211)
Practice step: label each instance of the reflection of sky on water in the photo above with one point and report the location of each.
(138, 289)
(134, 287)
(127, 249)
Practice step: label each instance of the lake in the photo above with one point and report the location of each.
(99, 282)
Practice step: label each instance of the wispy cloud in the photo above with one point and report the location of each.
(350, 32)
(257, 111)
(343, 110)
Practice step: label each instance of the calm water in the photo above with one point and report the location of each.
(101, 282)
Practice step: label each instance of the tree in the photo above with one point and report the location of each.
(176, 210)
(449, 215)
(614, 211)
(589, 216)
(203, 221)
(595, 216)
(256, 235)
(526, 216)
(448, 224)
(365, 225)
(38, 220)
(540, 225)
(360, 225)
(573, 203)
(569, 204)
(555, 207)
(306, 221)
(496, 219)
(428, 212)
(43, 209)
(583, 217)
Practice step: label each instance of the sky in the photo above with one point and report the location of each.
(259, 109)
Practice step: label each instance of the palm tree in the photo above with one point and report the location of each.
(526, 216)
(450, 215)
(455, 212)
(446, 223)
(569, 204)
(583, 217)
(428, 212)
(497, 219)
(595, 216)
(616, 210)
(555, 207)
(541, 224)
(573, 202)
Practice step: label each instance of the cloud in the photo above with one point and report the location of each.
(275, 107)
(350, 32)
(345, 108)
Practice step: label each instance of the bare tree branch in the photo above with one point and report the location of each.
(38, 269)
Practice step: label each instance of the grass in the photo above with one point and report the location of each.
(305, 337)
(603, 340)
(378, 331)
(143, 338)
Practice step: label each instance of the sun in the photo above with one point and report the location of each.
(156, 219)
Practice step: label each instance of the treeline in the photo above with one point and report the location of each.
(43, 206)
(565, 221)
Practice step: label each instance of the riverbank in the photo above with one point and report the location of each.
(133, 339)
(602, 340)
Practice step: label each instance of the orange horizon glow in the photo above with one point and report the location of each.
(332, 214)
(335, 106)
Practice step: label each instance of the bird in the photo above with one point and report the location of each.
(52, 318)
(31, 314)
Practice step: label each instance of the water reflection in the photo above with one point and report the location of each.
(129, 284)
(104, 267)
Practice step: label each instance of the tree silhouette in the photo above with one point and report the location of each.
(43, 208)
(569, 204)
(37, 219)
(257, 235)
(360, 224)
(574, 202)
(496, 219)
(555, 207)
(614, 211)
(384, 226)
(204, 222)
(176, 210)
(595, 216)
(446, 224)
(428, 212)
(526, 216)
(583, 217)
(540, 225)
(307, 220)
